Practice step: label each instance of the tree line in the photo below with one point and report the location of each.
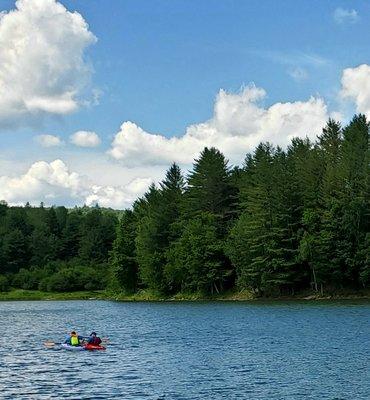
(285, 221)
(55, 249)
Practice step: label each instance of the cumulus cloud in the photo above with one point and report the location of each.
(239, 123)
(356, 87)
(85, 139)
(42, 65)
(54, 183)
(43, 181)
(118, 197)
(48, 140)
(342, 16)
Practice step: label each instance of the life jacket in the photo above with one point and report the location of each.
(95, 341)
(75, 341)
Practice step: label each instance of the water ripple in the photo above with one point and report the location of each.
(183, 351)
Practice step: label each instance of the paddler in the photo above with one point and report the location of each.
(94, 339)
(73, 339)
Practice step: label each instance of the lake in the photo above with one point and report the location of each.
(226, 350)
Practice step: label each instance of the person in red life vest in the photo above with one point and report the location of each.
(94, 339)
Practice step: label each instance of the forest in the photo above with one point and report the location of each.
(285, 221)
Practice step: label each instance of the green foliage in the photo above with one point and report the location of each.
(158, 213)
(263, 242)
(72, 279)
(4, 283)
(61, 277)
(123, 264)
(287, 220)
(97, 235)
(40, 246)
(196, 261)
(71, 235)
(210, 189)
(15, 249)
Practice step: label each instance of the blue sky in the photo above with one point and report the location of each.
(161, 64)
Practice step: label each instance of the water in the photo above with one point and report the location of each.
(187, 351)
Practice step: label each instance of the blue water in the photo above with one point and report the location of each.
(187, 351)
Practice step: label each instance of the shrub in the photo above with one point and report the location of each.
(4, 283)
(59, 276)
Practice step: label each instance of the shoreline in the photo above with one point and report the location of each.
(146, 296)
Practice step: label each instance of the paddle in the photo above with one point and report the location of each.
(50, 343)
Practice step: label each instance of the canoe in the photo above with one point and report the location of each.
(92, 347)
(66, 346)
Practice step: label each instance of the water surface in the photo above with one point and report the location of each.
(187, 351)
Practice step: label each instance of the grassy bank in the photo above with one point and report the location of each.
(19, 294)
(244, 295)
(146, 295)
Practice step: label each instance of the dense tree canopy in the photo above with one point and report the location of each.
(55, 248)
(284, 221)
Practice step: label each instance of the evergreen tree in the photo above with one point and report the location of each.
(15, 251)
(196, 261)
(327, 238)
(171, 192)
(71, 236)
(97, 235)
(263, 243)
(158, 226)
(44, 246)
(149, 255)
(52, 222)
(355, 171)
(62, 215)
(286, 221)
(248, 241)
(124, 267)
(209, 188)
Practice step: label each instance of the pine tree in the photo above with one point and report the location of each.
(52, 222)
(209, 188)
(124, 267)
(71, 236)
(171, 191)
(328, 238)
(16, 251)
(196, 261)
(159, 212)
(355, 174)
(263, 242)
(97, 235)
(44, 246)
(149, 256)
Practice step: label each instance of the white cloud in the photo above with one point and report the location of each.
(293, 59)
(239, 123)
(342, 16)
(42, 66)
(298, 74)
(43, 181)
(356, 87)
(85, 139)
(54, 183)
(118, 197)
(48, 140)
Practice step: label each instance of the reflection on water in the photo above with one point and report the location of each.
(187, 351)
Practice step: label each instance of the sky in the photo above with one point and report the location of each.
(99, 97)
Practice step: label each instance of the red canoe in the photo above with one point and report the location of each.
(93, 347)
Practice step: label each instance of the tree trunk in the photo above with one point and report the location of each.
(314, 278)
